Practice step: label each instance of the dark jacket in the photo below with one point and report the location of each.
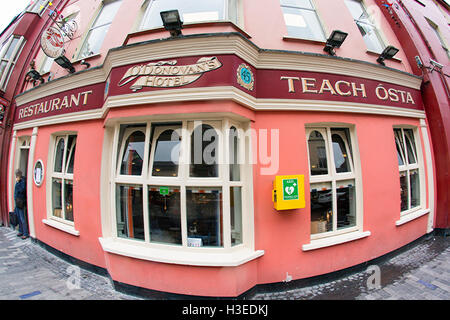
(20, 189)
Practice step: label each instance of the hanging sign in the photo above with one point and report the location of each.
(52, 42)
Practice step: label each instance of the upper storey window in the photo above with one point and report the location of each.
(369, 31)
(38, 6)
(302, 20)
(190, 11)
(9, 53)
(96, 34)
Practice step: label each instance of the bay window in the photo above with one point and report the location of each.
(173, 185)
(190, 11)
(333, 181)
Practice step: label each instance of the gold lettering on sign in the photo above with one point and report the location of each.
(166, 74)
(346, 88)
(68, 101)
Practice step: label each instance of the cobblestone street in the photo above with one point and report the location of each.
(27, 271)
(419, 272)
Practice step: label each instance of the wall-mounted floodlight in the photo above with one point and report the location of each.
(36, 76)
(172, 22)
(388, 53)
(335, 40)
(65, 63)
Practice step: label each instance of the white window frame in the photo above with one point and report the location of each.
(146, 7)
(226, 255)
(333, 178)
(91, 27)
(406, 167)
(64, 175)
(439, 35)
(46, 66)
(370, 23)
(319, 21)
(5, 76)
(35, 6)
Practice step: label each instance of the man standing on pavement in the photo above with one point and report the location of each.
(20, 200)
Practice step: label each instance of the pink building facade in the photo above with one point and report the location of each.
(155, 159)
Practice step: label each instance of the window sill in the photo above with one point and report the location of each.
(78, 60)
(61, 226)
(335, 240)
(377, 54)
(196, 257)
(304, 40)
(411, 216)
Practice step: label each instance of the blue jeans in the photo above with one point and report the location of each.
(23, 226)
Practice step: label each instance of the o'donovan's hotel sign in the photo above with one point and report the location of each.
(167, 74)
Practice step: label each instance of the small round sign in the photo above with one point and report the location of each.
(245, 76)
(52, 42)
(38, 173)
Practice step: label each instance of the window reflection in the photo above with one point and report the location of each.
(204, 152)
(317, 154)
(236, 215)
(133, 155)
(164, 213)
(70, 153)
(321, 209)
(415, 188)
(167, 154)
(59, 154)
(56, 197)
(130, 221)
(340, 154)
(346, 206)
(410, 146)
(234, 155)
(403, 191)
(68, 199)
(204, 217)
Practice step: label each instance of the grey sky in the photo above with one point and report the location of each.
(9, 10)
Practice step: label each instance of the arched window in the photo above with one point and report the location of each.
(410, 175)
(133, 153)
(62, 177)
(317, 153)
(166, 153)
(333, 190)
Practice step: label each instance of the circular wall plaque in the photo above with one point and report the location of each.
(38, 173)
(52, 42)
